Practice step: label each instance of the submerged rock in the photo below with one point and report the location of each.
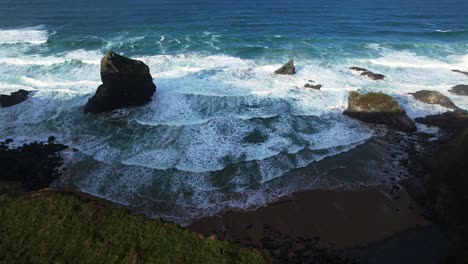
(317, 87)
(433, 97)
(365, 72)
(462, 72)
(126, 83)
(14, 98)
(379, 108)
(459, 89)
(450, 121)
(287, 69)
(35, 165)
(255, 137)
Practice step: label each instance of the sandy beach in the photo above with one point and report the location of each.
(343, 219)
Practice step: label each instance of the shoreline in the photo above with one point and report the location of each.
(326, 214)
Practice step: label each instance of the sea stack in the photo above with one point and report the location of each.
(125, 83)
(379, 108)
(287, 69)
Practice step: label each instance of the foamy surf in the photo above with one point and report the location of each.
(222, 131)
(33, 35)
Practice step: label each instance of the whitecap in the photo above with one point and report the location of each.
(32, 35)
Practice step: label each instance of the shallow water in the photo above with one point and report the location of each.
(212, 62)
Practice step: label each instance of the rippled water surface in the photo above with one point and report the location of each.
(222, 130)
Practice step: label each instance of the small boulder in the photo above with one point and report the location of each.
(14, 98)
(316, 87)
(433, 97)
(125, 83)
(371, 75)
(287, 69)
(459, 90)
(379, 108)
(462, 72)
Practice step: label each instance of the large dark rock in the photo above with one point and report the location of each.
(371, 75)
(462, 72)
(379, 108)
(451, 121)
(433, 97)
(34, 165)
(287, 69)
(459, 89)
(14, 98)
(125, 83)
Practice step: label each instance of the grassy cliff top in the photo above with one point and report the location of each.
(59, 227)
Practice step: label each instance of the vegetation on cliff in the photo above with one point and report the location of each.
(59, 227)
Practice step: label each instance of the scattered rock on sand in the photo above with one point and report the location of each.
(462, 72)
(126, 83)
(433, 97)
(35, 165)
(14, 98)
(379, 108)
(365, 72)
(461, 89)
(312, 86)
(287, 69)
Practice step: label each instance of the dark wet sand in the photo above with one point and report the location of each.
(342, 219)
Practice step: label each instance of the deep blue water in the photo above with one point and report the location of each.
(185, 155)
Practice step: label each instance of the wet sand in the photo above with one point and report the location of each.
(340, 219)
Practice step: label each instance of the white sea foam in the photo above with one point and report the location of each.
(199, 117)
(32, 35)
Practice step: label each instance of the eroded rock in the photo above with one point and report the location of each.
(287, 69)
(126, 83)
(379, 108)
(371, 75)
(14, 98)
(461, 89)
(434, 97)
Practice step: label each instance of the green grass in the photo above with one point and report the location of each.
(60, 227)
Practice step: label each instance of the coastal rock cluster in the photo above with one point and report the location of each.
(34, 165)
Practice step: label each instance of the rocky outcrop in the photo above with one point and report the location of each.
(14, 98)
(365, 72)
(459, 89)
(451, 121)
(34, 165)
(312, 86)
(462, 72)
(379, 108)
(125, 83)
(433, 97)
(287, 69)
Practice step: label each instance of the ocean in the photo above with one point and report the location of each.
(222, 130)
